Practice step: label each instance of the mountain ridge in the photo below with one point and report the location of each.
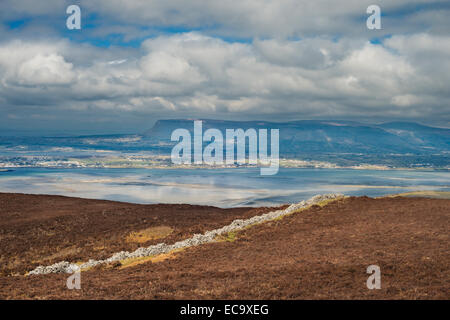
(329, 136)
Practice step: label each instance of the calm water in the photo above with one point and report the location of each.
(219, 187)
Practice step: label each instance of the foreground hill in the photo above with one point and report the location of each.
(44, 229)
(321, 252)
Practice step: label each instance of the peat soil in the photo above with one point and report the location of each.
(318, 253)
(43, 229)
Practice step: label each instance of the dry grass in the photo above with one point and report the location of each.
(149, 234)
(153, 259)
(229, 237)
(321, 204)
(427, 194)
(337, 243)
(61, 254)
(233, 235)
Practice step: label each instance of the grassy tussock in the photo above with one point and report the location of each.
(153, 259)
(426, 194)
(149, 234)
(229, 237)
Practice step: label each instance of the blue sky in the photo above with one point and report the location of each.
(138, 61)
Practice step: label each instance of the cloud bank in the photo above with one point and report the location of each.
(298, 60)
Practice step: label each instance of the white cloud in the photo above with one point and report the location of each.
(405, 100)
(45, 70)
(117, 61)
(196, 74)
(275, 19)
(249, 19)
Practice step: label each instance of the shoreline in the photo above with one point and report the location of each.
(209, 167)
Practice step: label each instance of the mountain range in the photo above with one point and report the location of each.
(312, 136)
(394, 144)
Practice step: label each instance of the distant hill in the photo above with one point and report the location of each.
(330, 137)
(344, 143)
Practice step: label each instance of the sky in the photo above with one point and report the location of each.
(134, 62)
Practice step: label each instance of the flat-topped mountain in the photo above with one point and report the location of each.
(344, 143)
(316, 137)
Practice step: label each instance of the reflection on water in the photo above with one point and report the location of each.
(219, 187)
